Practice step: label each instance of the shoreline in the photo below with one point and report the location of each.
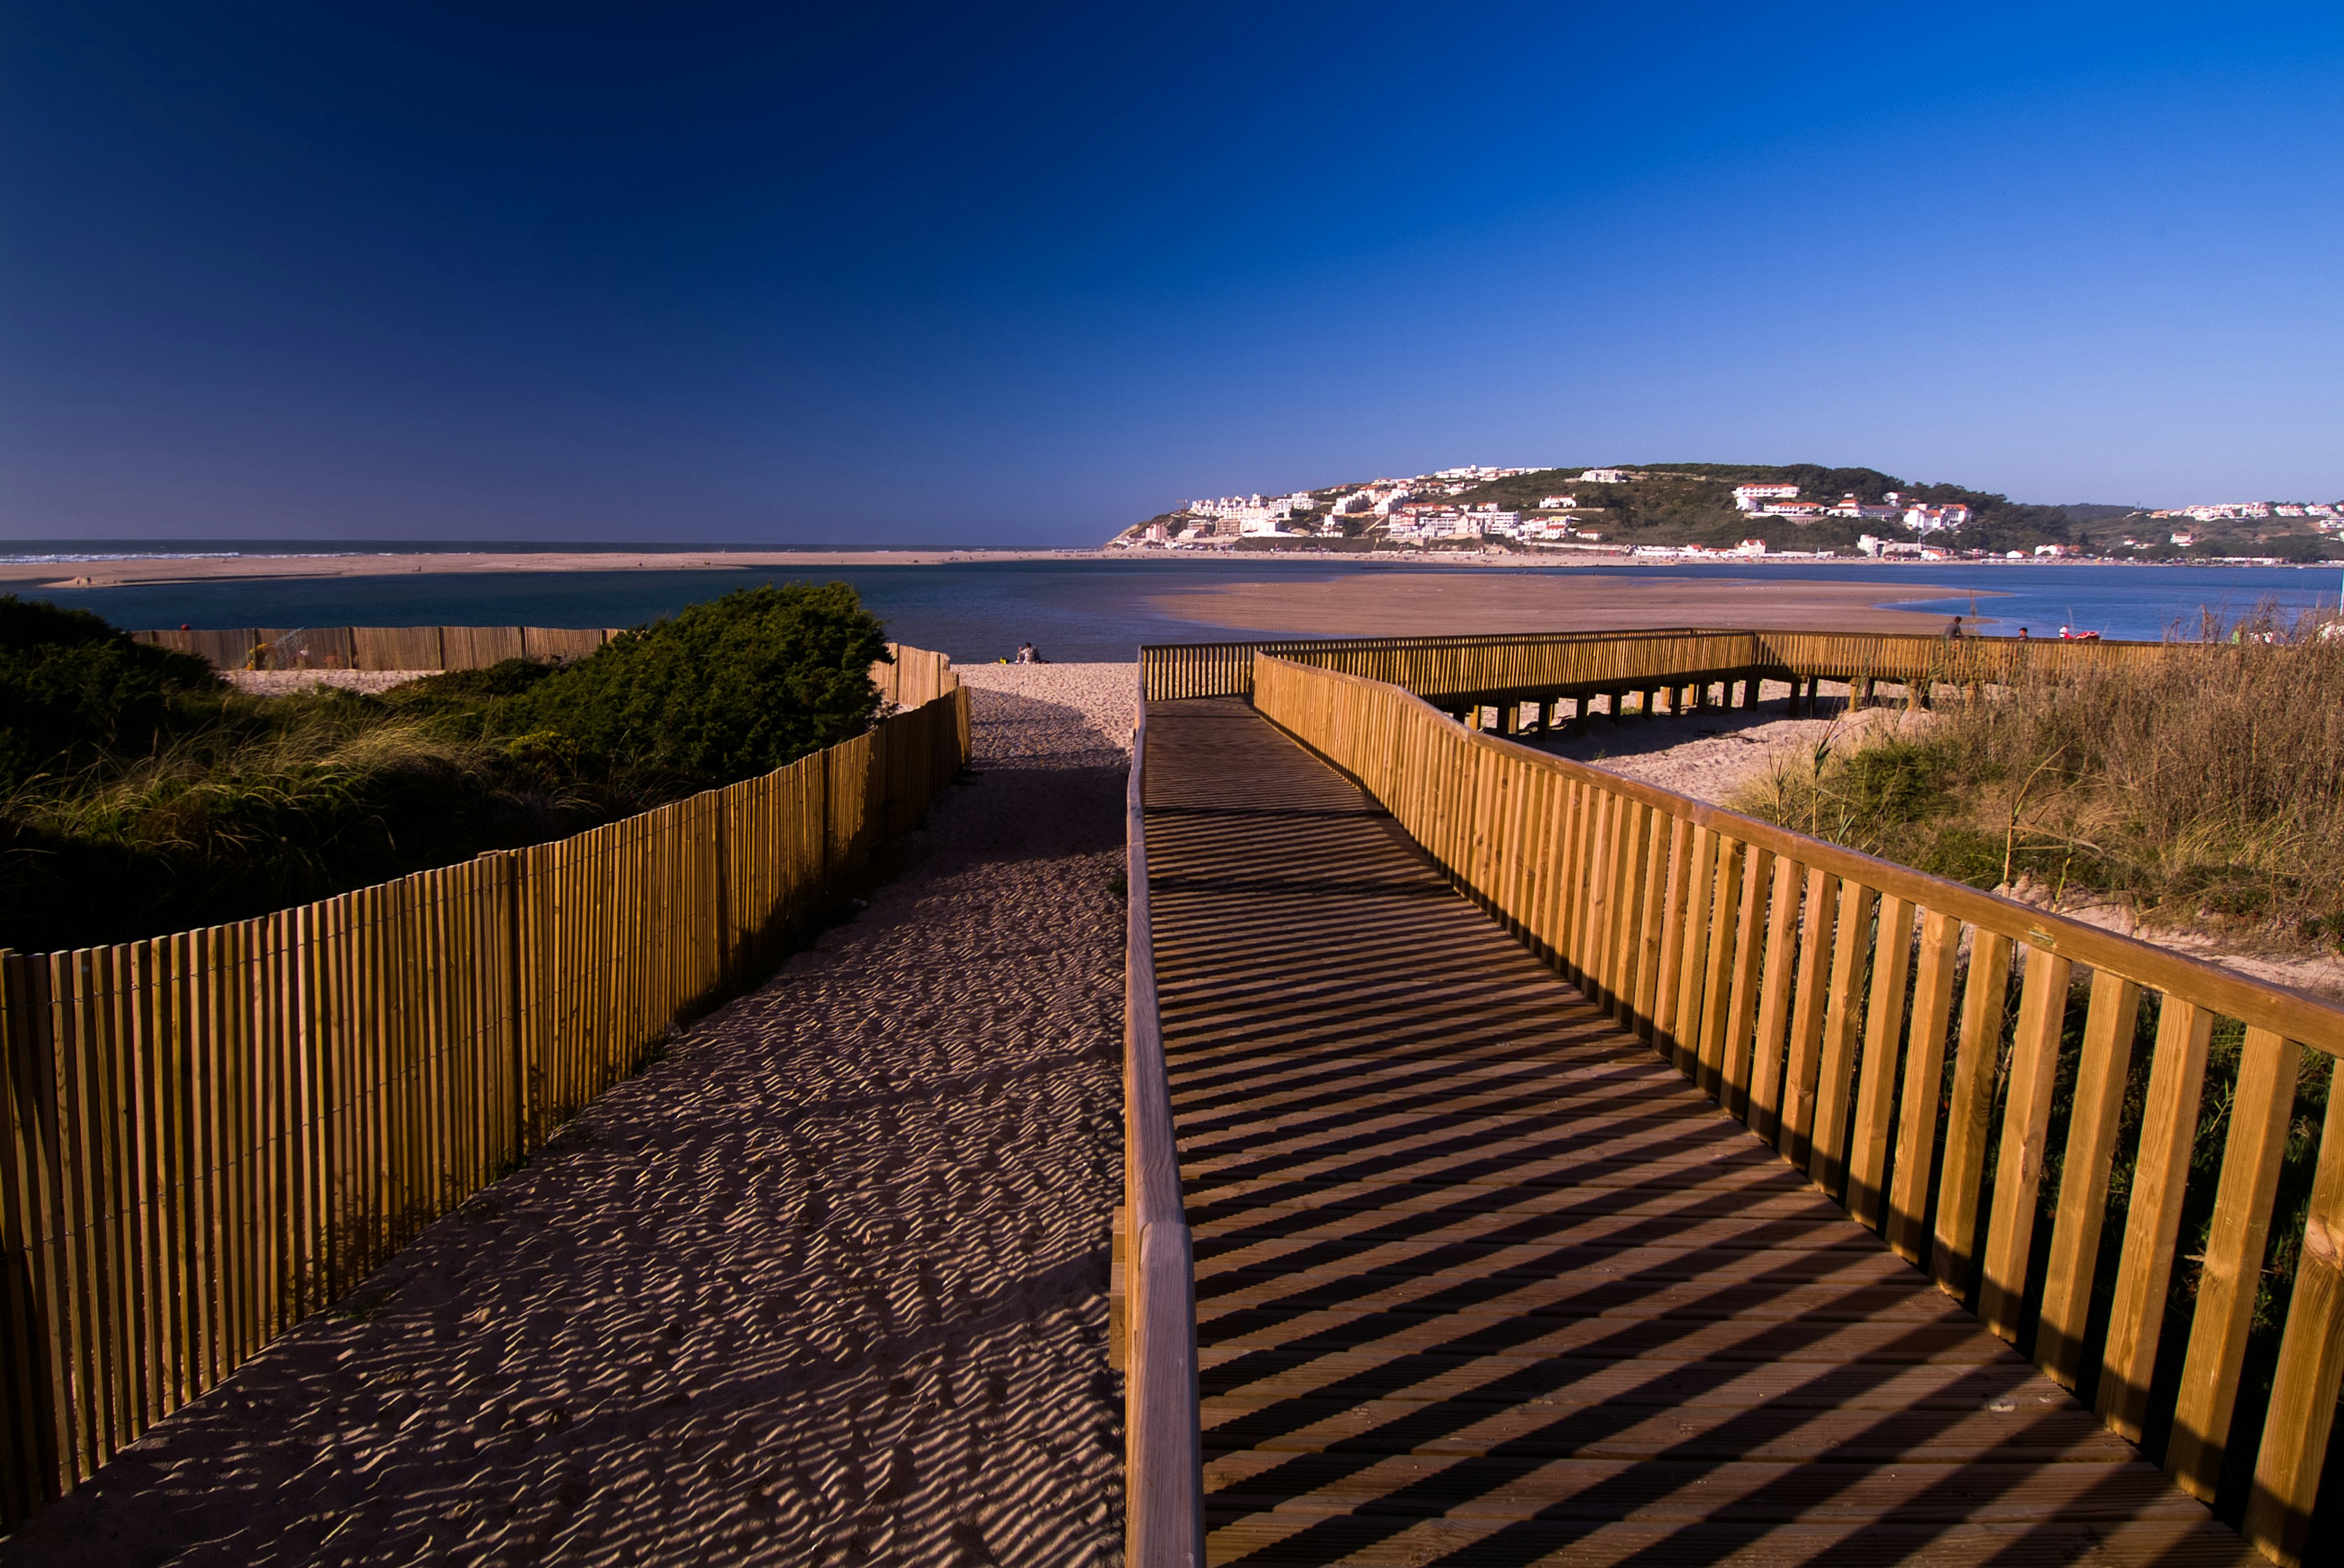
(148, 568)
(100, 568)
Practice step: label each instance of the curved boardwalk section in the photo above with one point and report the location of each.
(828, 1285)
(1481, 1278)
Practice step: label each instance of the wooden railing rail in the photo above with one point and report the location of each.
(1493, 668)
(213, 1135)
(1226, 668)
(1163, 1487)
(1858, 1017)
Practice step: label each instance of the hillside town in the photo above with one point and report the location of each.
(1593, 511)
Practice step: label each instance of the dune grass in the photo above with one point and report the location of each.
(140, 795)
(2207, 792)
(2206, 789)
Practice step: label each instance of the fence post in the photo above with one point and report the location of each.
(28, 1412)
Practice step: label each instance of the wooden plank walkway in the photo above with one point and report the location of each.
(1481, 1278)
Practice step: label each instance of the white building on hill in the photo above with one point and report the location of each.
(1750, 497)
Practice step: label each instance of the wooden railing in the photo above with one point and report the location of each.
(1856, 1016)
(1462, 664)
(213, 1135)
(1155, 1322)
(1493, 669)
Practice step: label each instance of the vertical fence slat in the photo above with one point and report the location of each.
(2084, 1167)
(2026, 1134)
(2311, 1365)
(2169, 1130)
(1925, 1070)
(1836, 1088)
(1774, 1001)
(1883, 1024)
(1758, 878)
(2260, 1108)
(1969, 1116)
(1802, 1062)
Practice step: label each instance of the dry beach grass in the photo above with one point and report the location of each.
(826, 1285)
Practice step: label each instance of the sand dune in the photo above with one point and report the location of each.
(827, 1285)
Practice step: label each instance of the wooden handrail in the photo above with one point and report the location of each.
(1163, 1506)
(1495, 667)
(1812, 991)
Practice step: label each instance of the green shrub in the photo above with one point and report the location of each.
(145, 796)
(2206, 787)
(74, 690)
(737, 686)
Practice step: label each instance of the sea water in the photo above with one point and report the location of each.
(1102, 608)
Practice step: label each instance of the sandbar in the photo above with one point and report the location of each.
(119, 572)
(1414, 605)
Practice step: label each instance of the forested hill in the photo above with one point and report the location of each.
(1693, 503)
(1678, 504)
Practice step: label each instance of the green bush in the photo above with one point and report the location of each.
(73, 690)
(736, 687)
(145, 796)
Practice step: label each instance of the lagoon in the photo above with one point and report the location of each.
(1102, 607)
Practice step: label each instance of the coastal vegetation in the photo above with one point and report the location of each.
(1693, 503)
(140, 793)
(2205, 791)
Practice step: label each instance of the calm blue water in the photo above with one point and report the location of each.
(1093, 609)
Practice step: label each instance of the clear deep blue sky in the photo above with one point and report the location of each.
(984, 275)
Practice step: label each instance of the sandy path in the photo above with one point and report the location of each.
(283, 682)
(1714, 753)
(827, 1285)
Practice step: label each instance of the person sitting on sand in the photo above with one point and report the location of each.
(1026, 655)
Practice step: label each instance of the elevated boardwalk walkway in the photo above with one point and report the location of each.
(1482, 1278)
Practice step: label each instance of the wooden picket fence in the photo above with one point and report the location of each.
(379, 647)
(1856, 1016)
(216, 1133)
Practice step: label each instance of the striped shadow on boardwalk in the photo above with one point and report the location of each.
(1482, 1278)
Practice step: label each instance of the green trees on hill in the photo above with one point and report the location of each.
(1693, 503)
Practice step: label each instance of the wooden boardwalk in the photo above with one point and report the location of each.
(1481, 1278)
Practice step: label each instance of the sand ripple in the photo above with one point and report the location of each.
(827, 1285)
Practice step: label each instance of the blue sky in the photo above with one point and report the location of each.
(897, 275)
